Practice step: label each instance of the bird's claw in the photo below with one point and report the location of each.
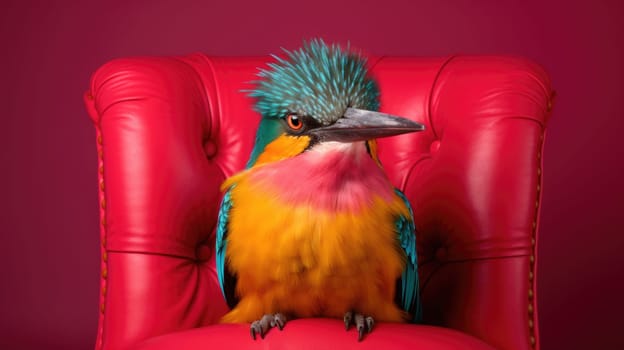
(362, 323)
(262, 326)
(279, 320)
(348, 319)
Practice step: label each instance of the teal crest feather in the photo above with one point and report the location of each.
(316, 80)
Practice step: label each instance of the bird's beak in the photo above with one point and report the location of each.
(361, 125)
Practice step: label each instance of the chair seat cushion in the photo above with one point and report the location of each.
(316, 334)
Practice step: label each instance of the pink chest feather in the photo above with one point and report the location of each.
(335, 177)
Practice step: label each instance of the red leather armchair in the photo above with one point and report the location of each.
(170, 130)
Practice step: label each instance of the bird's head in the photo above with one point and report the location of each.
(318, 95)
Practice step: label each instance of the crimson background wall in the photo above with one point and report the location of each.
(49, 257)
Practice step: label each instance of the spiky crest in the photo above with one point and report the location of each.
(316, 80)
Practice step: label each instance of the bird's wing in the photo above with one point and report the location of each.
(407, 293)
(227, 281)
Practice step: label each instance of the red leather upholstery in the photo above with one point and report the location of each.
(170, 130)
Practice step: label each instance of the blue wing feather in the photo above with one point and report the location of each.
(221, 241)
(408, 294)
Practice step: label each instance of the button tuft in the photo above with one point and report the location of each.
(434, 147)
(210, 149)
(441, 254)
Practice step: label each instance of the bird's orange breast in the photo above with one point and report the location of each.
(306, 259)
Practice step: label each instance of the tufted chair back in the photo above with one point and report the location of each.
(170, 130)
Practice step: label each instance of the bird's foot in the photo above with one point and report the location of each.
(362, 323)
(267, 322)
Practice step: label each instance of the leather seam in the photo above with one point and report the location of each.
(207, 104)
(532, 293)
(103, 236)
(214, 107)
(431, 93)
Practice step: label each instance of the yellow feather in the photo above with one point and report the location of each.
(307, 263)
(284, 146)
(372, 147)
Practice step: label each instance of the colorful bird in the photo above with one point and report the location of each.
(313, 227)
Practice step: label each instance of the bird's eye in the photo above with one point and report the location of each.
(294, 122)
